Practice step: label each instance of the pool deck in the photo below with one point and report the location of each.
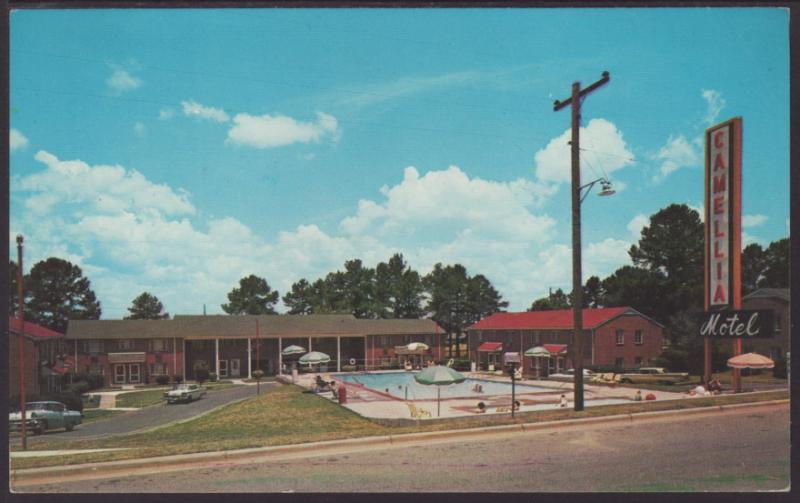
(373, 404)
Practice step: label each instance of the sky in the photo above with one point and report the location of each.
(177, 151)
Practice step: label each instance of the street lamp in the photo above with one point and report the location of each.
(577, 282)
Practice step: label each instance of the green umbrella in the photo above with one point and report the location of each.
(293, 350)
(538, 351)
(314, 357)
(440, 376)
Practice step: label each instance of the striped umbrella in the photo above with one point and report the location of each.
(314, 357)
(439, 376)
(293, 350)
(415, 346)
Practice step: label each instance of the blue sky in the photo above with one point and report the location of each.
(175, 151)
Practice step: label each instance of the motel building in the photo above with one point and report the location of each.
(621, 337)
(137, 351)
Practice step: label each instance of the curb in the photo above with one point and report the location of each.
(31, 475)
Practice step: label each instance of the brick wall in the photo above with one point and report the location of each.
(607, 351)
(31, 367)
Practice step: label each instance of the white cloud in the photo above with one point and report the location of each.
(195, 109)
(636, 225)
(603, 151)
(677, 153)
(105, 188)
(139, 129)
(267, 131)
(753, 220)
(407, 86)
(16, 140)
(166, 113)
(604, 257)
(121, 81)
(715, 103)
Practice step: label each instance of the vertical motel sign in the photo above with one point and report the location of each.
(723, 226)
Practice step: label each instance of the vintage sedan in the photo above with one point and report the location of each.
(43, 416)
(654, 375)
(185, 393)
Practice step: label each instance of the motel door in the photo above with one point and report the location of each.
(235, 368)
(223, 368)
(127, 373)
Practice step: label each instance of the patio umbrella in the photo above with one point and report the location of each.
(415, 346)
(439, 376)
(293, 350)
(750, 361)
(314, 358)
(537, 352)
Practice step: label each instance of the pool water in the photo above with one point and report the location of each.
(402, 385)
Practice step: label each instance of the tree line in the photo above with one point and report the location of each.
(665, 281)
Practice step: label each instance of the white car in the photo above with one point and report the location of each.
(570, 374)
(185, 393)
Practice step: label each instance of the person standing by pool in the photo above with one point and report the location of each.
(563, 402)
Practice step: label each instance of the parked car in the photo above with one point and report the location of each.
(570, 374)
(654, 375)
(43, 416)
(185, 393)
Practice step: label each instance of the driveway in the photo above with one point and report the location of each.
(148, 417)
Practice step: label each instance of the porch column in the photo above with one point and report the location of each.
(280, 356)
(249, 360)
(184, 360)
(75, 367)
(338, 354)
(216, 357)
(365, 351)
(309, 345)
(174, 356)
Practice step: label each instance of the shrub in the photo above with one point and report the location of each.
(77, 388)
(461, 365)
(95, 381)
(212, 376)
(258, 374)
(177, 379)
(200, 371)
(162, 379)
(481, 405)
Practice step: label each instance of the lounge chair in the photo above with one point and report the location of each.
(506, 408)
(407, 366)
(322, 385)
(417, 413)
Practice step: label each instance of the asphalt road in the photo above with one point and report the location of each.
(148, 417)
(736, 450)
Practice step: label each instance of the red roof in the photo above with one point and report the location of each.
(558, 319)
(491, 346)
(555, 349)
(32, 329)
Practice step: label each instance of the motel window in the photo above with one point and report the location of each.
(383, 341)
(125, 344)
(637, 337)
(157, 345)
(777, 322)
(620, 338)
(158, 369)
(95, 368)
(93, 347)
(638, 361)
(619, 362)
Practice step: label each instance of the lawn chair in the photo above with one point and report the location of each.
(506, 408)
(417, 413)
(322, 385)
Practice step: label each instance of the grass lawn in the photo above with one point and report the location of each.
(283, 415)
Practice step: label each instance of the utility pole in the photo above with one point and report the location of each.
(577, 283)
(21, 302)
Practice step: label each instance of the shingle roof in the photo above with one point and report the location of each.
(32, 329)
(779, 293)
(225, 326)
(560, 319)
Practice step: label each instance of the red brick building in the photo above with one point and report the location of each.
(42, 349)
(137, 351)
(618, 336)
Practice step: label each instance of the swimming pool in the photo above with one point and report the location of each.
(402, 385)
